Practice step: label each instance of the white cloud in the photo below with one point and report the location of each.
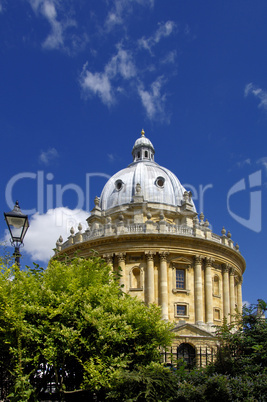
(100, 83)
(121, 64)
(169, 58)
(152, 99)
(164, 30)
(258, 93)
(97, 84)
(45, 230)
(48, 9)
(48, 156)
(122, 8)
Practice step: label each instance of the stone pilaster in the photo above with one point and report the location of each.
(150, 286)
(226, 298)
(232, 293)
(121, 264)
(164, 284)
(109, 260)
(208, 291)
(239, 295)
(198, 289)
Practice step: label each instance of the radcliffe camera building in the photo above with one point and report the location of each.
(145, 222)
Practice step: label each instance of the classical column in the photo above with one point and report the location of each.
(198, 290)
(226, 301)
(232, 293)
(121, 264)
(150, 287)
(208, 291)
(239, 295)
(109, 260)
(164, 285)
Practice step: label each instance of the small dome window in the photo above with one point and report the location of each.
(160, 182)
(118, 185)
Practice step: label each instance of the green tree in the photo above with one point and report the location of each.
(72, 325)
(243, 343)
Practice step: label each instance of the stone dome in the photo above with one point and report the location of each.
(158, 184)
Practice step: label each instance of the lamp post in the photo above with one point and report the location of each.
(18, 224)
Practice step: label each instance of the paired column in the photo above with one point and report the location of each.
(198, 290)
(239, 295)
(226, 298)
(150, 285)
(164, 285)
(208, 291)
(109, 260)
(121, 263)
(232, 293)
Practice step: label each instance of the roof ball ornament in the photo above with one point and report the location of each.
(97, 201)
(80, 227)
(60, 239)
(161, 216)
(142, 133)
(237, 247)
(223, 231)
(149, 216)
(201, 217)
(229, 235)
(72, 231)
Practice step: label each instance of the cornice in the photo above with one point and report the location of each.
(156, 242)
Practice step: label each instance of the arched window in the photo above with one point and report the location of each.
(146, 154)
(136, 278)
(216, 286)
(187, 353)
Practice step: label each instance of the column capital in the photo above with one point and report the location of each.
(225, 267)
(209, 261)
(163, 255)
(198, 259)
(149, 255)
(108, 258)
(240, 280)
(232, 271)
(121, 256)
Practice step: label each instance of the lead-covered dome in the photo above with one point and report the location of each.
(158, 184)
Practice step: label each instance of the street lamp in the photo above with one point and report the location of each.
(18, 224)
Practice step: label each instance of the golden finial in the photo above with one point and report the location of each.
(142, 133)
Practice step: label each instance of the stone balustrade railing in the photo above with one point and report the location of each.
(162, 227)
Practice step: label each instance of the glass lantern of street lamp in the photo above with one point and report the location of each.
(18, 224)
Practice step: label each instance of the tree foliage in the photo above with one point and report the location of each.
(71, 325)
(243, 343)
(240, 370)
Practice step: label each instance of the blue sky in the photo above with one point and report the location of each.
(80, 79)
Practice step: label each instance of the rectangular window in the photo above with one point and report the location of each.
(180, 279)
(217, 314)
(180, 309)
